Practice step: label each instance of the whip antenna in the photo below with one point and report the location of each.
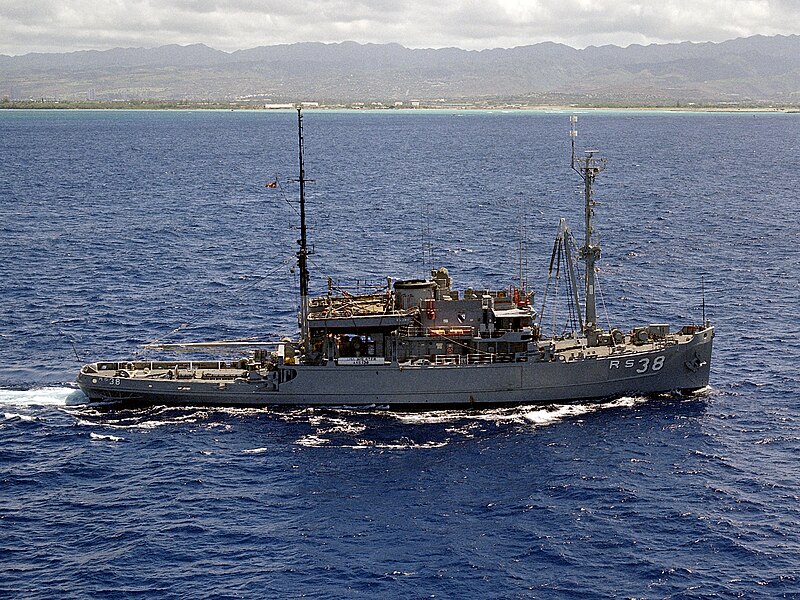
(573, 133)
(703, 296)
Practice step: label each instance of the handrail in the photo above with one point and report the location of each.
(472, 359)
(438, 331)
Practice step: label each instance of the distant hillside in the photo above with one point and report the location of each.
(748, 70)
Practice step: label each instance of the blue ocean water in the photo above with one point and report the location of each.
(121, 227)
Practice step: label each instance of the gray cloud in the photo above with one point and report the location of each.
(64, 25)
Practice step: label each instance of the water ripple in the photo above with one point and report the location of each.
(119, 227)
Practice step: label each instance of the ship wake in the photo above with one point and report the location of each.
(46, 396)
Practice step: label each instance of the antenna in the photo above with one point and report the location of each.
(302, 253)
(426, 245)
(521, 250)
(703, 296)
(573, 133)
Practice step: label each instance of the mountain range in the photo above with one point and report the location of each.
(753, 70)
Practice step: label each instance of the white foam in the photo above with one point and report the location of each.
(435, 416)
(151, 424)
(549, 416)
(48, 396)
(500, 415)
(312, 441)
(255, 451)
(406, 446)
(18, 417)
(556, 414)
(327, 425)
(316, 441)
(624, 402)
(537, 416)
(111, 438)
(497, 415)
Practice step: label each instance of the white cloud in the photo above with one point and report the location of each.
(64, 25)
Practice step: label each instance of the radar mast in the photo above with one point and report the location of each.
(588, 167)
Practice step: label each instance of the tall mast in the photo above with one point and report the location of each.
(588, 167)
(302, 253)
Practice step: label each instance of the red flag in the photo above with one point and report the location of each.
(271, 184)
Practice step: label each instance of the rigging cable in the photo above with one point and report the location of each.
(571, 312)
(285, 198)
(71, 341)
(547, 285)
(602, 299)
(555, 300)
(251, 284)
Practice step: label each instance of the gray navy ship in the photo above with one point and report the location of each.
(423, 343)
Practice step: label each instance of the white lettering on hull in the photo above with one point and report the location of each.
(642, 364)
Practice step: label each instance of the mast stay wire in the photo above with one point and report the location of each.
(255, 280)
(555, 300)
(547, 285)
(602, 299)
(575, 323)
(245, 286)
(285, 197)
(71, 341)
(558, 256)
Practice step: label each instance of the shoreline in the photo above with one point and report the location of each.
(11, 105)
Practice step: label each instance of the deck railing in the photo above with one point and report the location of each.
(439, 331)
(474, 359)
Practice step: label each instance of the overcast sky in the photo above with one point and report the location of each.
(65, 25)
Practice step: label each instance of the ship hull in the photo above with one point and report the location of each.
(682, 367)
